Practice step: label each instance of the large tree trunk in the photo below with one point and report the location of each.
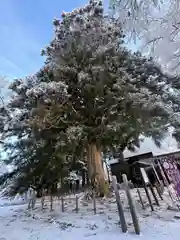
(95, 168)
(90, 163)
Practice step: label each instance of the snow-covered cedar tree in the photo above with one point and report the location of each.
(38, 154)
(114, 95)
(154, 24)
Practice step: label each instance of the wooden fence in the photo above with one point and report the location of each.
(152, 195)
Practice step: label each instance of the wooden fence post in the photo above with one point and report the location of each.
(119, 205)
(140, 198)
(149, 198)
(62, 204)
(42, 202)
(77, 204)
(131, 205)
(146, 183)
(94, 202)
(51, 202)
(158, 191)
(154, 194)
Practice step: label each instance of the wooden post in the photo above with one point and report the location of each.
(119, 205)
(94, 202)
(77, 204)
(62, 204)
(140, 198)
(149, 198)
(42, 202)
(43, 199)
(154, 194)
(158, 191)
(156, 174)
(158, 180)
(146, 182)
(131, 205)
(165, 180)
(51, 202)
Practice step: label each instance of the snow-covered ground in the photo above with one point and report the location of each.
(16, 222)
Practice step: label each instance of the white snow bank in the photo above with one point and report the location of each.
(18, 200)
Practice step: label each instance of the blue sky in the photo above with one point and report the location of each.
(25, 28)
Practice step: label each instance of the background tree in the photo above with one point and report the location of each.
(154, 25)
(40, 151)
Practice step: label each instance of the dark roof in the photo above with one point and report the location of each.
(139, 157)
(168, 154)
(134, 158)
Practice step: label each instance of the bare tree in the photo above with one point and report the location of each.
(155, 25)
